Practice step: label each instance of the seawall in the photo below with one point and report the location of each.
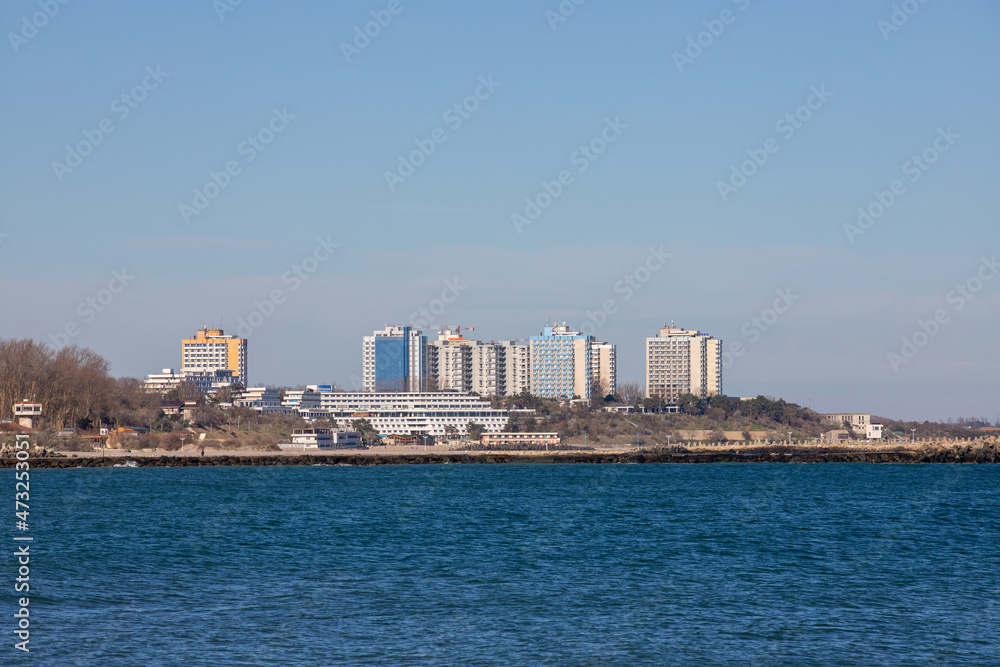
(988, 454)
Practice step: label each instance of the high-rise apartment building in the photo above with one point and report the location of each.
(516, 372)
(449, 362)
(212, 350)
(561, 363)
(394, 359)
(497, 368)
(487, 369)
(604, 367)
(683, 362)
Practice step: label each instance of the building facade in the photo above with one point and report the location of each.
(211, 350)
(561, 363)
(305, 398)
(496, 368)
(324, 438)
(680, 361)
(394, 359)
(413, 413)
(520, 440)
(26, 411)
(516, 367)
(261, 399)
(161, 383)
(449, 362)
(604, 367)
(857, 420)
(206, 382)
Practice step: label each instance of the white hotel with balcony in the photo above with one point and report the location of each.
(408, 413)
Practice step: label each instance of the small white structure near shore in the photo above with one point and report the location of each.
(26, 411)
(322, 438)
(856, 422)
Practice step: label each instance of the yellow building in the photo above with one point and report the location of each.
(211, 350)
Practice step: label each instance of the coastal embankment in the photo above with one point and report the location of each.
(980, 451)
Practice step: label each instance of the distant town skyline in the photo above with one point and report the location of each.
(318, 171)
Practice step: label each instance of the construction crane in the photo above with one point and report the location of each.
(457, 328)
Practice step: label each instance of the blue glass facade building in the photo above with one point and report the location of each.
(392, 361)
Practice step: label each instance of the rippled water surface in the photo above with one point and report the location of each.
(515, 564)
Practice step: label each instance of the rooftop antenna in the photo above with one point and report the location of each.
(671, 323)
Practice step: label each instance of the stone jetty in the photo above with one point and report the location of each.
(979, 451)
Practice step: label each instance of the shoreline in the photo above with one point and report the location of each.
(988, 455)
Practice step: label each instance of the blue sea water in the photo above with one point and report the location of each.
(513, 564)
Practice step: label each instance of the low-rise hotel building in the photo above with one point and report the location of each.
(261, 399)
(206, 382)
(530, 440)
(856, 420)
(325, 438)
(405, 413)
(162, 383)
(859, 422)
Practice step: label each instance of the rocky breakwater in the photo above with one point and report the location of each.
(963, 451)
(277, 460)
(9, 451)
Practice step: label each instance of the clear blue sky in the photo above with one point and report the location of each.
(680, 130)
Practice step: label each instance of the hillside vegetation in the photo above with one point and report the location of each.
(716, 415)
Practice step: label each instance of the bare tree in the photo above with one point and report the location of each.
(630, 393)
(71, 383)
